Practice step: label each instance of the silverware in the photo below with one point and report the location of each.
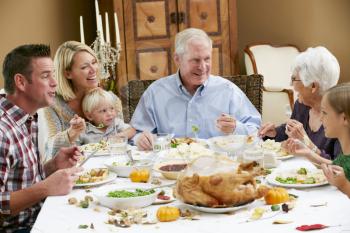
(132, 161)
(92, 154)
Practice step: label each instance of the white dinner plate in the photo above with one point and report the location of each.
(111, 176)
(272, 180)
(284, 157)
(218, 210)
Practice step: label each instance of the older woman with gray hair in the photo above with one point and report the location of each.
(314, 72)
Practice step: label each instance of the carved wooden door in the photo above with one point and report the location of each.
(150, 27)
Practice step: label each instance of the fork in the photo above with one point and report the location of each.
(92, 154)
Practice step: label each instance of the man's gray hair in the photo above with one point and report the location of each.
(182, 38)
(317, 65)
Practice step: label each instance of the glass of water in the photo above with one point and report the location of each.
(161, 142)
(117, 145)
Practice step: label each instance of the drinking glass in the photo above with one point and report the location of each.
(117, 144)
(161, 142)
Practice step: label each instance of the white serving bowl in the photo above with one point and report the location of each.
(126, 202)
(170, 175)
(124, 170)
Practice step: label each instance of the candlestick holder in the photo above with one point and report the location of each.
(108, 59)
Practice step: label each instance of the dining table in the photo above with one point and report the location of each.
(324, 205)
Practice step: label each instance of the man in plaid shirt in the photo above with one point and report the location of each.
(24, 180)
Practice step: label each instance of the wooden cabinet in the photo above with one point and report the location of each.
(149, 28)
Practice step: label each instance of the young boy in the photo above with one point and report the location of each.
(99, 109)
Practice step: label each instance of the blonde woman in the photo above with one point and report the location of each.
(76, 71)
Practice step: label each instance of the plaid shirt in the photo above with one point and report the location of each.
(20, 163)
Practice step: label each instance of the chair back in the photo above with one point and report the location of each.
(273, 62)
(251, 85)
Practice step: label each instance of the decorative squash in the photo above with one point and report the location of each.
(168, 213)
(140, 175)
(276, 196)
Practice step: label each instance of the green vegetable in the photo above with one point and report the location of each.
(275, 207)
(84, 226)
(125, 193)
(288, 180)
(84, 204)
(309, 180)
(195, 129)
(302, 171)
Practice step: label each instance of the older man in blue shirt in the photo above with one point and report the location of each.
(193, 97)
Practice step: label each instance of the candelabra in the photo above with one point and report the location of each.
(108, 59)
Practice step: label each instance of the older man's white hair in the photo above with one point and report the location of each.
(317, 65)
(184, 37)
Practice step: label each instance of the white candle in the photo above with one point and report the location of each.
(117, 36)
(97, 13)
(101, 29)
(82, 37)
(108, 39)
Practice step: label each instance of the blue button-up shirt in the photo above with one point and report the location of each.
(167, 107)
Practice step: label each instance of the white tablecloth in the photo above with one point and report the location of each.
(58, 216)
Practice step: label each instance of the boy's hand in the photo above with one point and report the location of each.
(77, 126)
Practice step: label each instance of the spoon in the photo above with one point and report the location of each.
(132, 161)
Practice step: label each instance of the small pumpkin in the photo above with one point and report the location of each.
(168, 213)
(139, 175)
(276, 196)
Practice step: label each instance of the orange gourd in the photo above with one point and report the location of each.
(276, 196)
(168, 213)
(140, 175)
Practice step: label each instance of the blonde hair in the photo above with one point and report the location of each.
(338, 98)
(184, 37)
(95, 97)
(63, 62)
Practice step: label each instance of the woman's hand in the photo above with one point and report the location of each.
(296, 147)
(295, 129)
(268, 129)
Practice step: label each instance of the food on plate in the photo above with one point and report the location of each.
(173, 167)
(189, 152)
(99, 146)
(128, 193)
(92, 176)
(162, 196)
(168, 213)
(229, 143)
(177, 141)
(301, 176)
(272, 145)
(139, 175)
(215, 182)
(276, 196)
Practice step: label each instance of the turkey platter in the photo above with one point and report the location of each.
(219, 182)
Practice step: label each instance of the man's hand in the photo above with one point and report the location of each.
(268, 129)
(145, 141)
(61, 182)
(295, 129)
(226, 123)
(67, 157)
(77, 126)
